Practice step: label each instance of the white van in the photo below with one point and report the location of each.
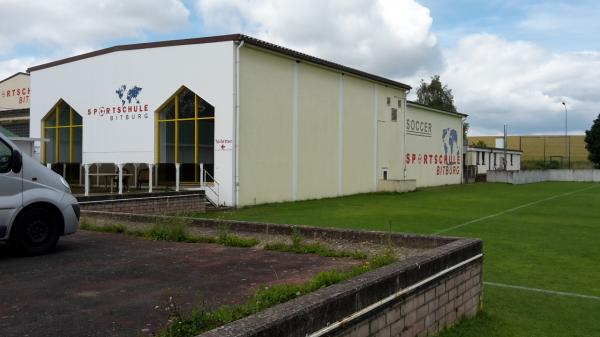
(36, 204)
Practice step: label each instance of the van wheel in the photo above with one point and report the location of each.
(36, 232)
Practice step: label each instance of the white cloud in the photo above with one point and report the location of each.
(388, 37)
(84, 23)
(15, 65)
(497, 81)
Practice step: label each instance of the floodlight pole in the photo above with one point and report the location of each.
(567, 140)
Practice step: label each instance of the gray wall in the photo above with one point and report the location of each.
(536, 176)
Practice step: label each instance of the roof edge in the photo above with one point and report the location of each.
(492, 148)
(135, 46)
(435, 109)
(313, 59)
(221, 38)
(14, 75)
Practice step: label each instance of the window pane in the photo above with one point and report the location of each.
(50, 146)
(64, 114)
(5, 157)
(77, 145)
(77, 118)
(51, 118)
(168, 112)
(186, 104)
(206, 139)
(186, 142)
(167, 142)
(205, 109)
(63, 147)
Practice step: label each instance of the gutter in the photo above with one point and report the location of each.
(236, 126)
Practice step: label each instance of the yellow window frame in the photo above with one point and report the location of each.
(56, 127)
(177, 120)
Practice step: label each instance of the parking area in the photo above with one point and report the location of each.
(98, 284)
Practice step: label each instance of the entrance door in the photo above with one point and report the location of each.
(11, 188)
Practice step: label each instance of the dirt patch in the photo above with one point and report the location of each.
(98, 284)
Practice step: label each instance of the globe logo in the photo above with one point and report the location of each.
(128, 95)
(450, 142)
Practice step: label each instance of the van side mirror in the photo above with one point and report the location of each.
(17, 161)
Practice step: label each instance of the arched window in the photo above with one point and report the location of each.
(185, 134)
(62, 126)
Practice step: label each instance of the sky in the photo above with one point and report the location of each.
(507, 62)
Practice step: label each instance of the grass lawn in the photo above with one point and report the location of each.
(553, 244)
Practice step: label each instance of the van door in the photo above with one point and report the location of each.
(11, 187)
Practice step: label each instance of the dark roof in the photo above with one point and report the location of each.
(14, 113)
(429, 107)
(492, 148)
(233, 37)
(11, 76)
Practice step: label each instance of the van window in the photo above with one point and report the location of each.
(5, 157)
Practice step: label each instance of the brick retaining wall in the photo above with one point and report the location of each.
(161, 204)
(427, 311)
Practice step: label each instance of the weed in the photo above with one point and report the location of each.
(265, 297)
(227, 239)
(299, 247)
(176, 231)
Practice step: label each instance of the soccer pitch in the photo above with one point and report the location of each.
(541, 244)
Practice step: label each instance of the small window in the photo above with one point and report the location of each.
(399, 104)
(483, 157)
(495, 159)
(385, 174)
(389, 101)
(477, 156)
(511, 159)
(5, 157)
(394, 115)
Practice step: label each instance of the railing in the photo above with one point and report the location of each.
(211, 189)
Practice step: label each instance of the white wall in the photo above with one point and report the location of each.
(487, 162)
(426, 159)
(206, 69)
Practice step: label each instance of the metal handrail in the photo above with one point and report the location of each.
(214, 187)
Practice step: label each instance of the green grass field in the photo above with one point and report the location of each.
(553, 244)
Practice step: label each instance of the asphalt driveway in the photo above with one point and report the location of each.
(98, 284)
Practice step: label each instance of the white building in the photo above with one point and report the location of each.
(270, 124)
(492, 159)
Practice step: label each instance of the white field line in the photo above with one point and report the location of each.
(544, 291)
(513, 209)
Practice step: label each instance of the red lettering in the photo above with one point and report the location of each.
(414, 156)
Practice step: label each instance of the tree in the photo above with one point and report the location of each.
(480, 143)
(592, 142)
(436, 95)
